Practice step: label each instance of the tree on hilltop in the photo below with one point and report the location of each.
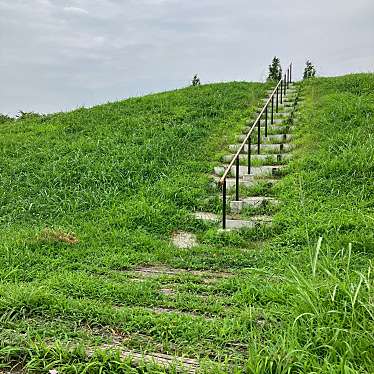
(309, 71)
(196, 80)
(275, 70)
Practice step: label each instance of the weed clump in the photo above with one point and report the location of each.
(49, 235)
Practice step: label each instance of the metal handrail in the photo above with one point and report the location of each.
(283, 84)
(248, 135)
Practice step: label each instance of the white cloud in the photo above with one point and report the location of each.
(76, 10)
(58, 54)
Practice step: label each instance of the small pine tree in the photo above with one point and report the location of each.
(275, 70)
(196, 80)
(309, 71)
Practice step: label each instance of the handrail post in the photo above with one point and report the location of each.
(237, 179)
(281, 98)
(249, 155)
(288, 77)
(276, 103)
(258, 135)
(285, 84)
(272, 109)
(291, 72)
(224, 204)
(266, 121)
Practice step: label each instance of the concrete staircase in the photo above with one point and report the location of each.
(267, 168)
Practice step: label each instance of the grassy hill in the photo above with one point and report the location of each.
(119, 175)
(89, 196)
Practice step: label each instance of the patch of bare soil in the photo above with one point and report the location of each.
(183, 239)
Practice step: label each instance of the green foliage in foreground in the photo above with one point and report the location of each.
(301, 296)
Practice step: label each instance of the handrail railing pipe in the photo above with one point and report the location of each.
(280, 88)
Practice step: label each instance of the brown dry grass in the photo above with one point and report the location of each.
(49, 235)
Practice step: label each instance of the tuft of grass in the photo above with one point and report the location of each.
(49, 236)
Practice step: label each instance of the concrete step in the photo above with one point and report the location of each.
(232, 223)
(290, 89)
(253, 202)
(256, 171)
(286, 105)
(270, 139)
(267, 159)
(249, 181)
(264, 148)
(254, 222)
(272, 129)
(276, 121)
(282, 114)
(288, 98)
(288, 94)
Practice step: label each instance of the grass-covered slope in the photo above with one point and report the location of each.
(119, 178)
(335, 163)
(326, 232)
(299, 300)
(117, 175)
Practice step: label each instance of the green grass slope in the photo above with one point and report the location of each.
(120, 177)
(326, 232)
(123, 176)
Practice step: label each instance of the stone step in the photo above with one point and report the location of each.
(253, 202)
(249, 182)
(288, 98)
(272, 129)
(256, 171)
(285, 106)
(290, 89)
(167, 362)
(264, 148)
(254, 222)
(269, 159)
(276, 121)
(288, 95)
(270, 139)
(232, 223)
(282, 114)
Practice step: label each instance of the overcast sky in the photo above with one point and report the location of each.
(61, 54)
